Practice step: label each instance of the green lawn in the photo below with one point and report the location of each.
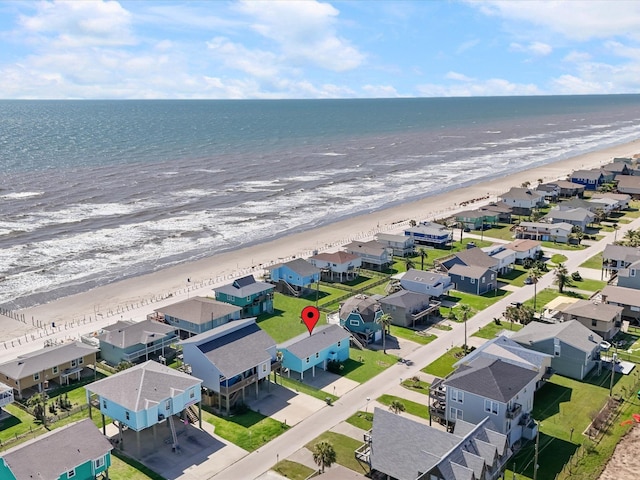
(476, 302)
(558, 258)
(490, 330)
(248, 430)
(363, 365)
(412, 335)
(420, 387)
(19, 423)
(302, 387)
(589, 284)
(418, 409)
(285, 322)
(125, 468)
(360, 419)
(562, 246)
(443, 366)
(399, 264)
(516, 276)
(634, 209)
(545, 296)
(501, 231)
(593, 262)
(344, 447)
(292, 470)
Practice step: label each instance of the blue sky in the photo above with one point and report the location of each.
(317, 49)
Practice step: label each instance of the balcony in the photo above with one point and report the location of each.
(514, 411)
(239, 385)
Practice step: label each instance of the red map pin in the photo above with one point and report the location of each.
(310, 316)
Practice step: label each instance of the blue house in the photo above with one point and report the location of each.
(197, 315)
(360, 315)
(294, 277)
(472, 279)
(144, 396)
(429, 233)
(128, 341)
(247, 293)
(231, 358)
(591, 179)
(304, 352)
(76, 451)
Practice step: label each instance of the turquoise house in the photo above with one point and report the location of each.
(294, 277)
(360, 315)
(306, 352)
(76, 451)
(247, 293)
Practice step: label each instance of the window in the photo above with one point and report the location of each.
(633, 272)
(457, 395)
(80, 361)
(556, 347)
(491, 407)
(127, 415)
(594, 323)
(483, 280)
(167, 405)
(307, 359)
(339, 342)
(36, 376)
(354, 323)
(249, 298)
(473, 280)
(461, 277)
(54, 370)
(104, 404)
(264, 367)
(74, 363)
(98, 463)
(230, 298)
(317, 354)
(192, 393)
(455, 413)
(71, 473)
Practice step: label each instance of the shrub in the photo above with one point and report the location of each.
(334, 366)
(576, 276)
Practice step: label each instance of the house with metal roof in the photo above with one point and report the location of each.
(407, 308)
(430, 233)
(294, 277)
(76, 451)
(404, 449)
(196, 315)
(128, 341)
(306, 352)
(252, 296)
(337, 265)
(575, 348)
(143, 396)
(505, 257)
(402, 245)
(230, 359)
(36, 371)
(360, 315)
(374, 255)
(567, 189)
(425, 282)
(491, 387)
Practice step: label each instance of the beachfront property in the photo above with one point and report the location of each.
(305, 352)
(36, 371)
(627, 298)
(476, 219)
(294, 277)
(590, 179)
(578, 217)
(402, 245)
(505, 257)
(487, 387)
(575, 348)
(76, 451)
(337, 265)
(618, 168)
(6, 396)
(502, 211)
(546, 232)
(622, 198)
(473, 279)
(617, 257)
(144, 396)
(374, 255)
(522, 201)
(407, 308)
(551, 191)
(128, 341)
(430, 233)
(567, 189)
(428, 283)
(600, 318)
(252, 296)
(404, 449)
(230, 359)
(525, 248)
(196, 315)
(629, 185)
(360, 315)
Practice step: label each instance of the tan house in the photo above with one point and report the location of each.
(601, 318)
(33, 372)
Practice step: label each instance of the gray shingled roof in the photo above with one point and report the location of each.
(34, 362)
(244, 287)
(369, 248)
(305, 345)
(424, 276)
(298, 265)
(522, 245)
(137, 387)
(468, 271)
(490, 378)
(621, 252)
(198, 310)
(365, 306)
(405, 299)
(339, 258)
(475, 257)
(595, 311)
(587, 174)
(522, 194)
(621, 295)
(127, 334)
(54, 453)
(239, 350)
(575, 214)
(571, 332)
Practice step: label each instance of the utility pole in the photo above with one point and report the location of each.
(613, 366)
(535, 459)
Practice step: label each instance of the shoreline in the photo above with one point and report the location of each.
(151, 290)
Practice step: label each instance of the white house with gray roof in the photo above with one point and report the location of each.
(405, 449)
(546, 232)
(374, 255)
(306, 352)
(402, 245)
(578, 217)
(501, 390)
(428, 283)
(627, 298)
(575, 348)
(617, 257)
(230, 358)
(522, 200)
(6, 396)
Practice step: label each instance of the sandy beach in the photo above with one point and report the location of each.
(135, 297)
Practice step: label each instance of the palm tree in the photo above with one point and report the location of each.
(535, 274)
(409, 264)
(561, 277)
(466, 312)
(324, 455)
(384, 320)
(615, 227)
(397, 407)
(423, 254)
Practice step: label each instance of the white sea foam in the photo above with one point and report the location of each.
(19, 195)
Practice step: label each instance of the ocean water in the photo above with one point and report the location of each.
(95, 191)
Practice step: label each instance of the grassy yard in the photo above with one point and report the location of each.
(412, 335)
(414, 408)
(360, 419)
(562, 246)
(589, 284)
(344, 447)
(292, 470)
(443, 366)
(593, 262)
(125, 468)
(420, 387)
(501, 231)
(545, 296)
(490, 330)
(249, 430)
(19, 423)
(558, 258)
(476, 302)
(301, 387)
(399, 264)
(363, 365)
(516, 276)
(285, 322)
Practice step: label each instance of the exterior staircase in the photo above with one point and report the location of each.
(192, 415)
(174, 435)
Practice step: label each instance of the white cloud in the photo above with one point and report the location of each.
(491, 87)
(380, 91)
(258, 63)
(570, 84)
(458, 76)
(577, 57)
(537, 49)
